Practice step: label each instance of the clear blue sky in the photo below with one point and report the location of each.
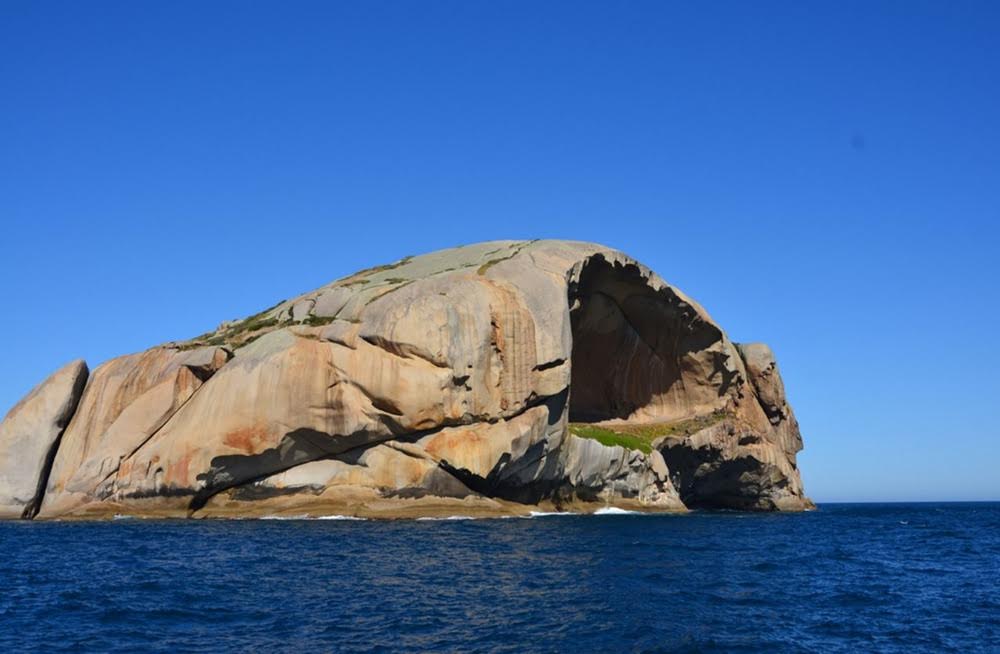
(822, 176)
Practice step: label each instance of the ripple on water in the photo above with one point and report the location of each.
(842, 579)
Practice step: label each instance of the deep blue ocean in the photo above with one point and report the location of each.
(845, 578)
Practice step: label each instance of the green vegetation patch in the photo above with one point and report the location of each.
(317, 321)
(359, 277)
(489, 264)
(678, 429)
(238, 334)
(641, 436)
(399, 283)
(605, 436)
(252, 324)
(514, 251)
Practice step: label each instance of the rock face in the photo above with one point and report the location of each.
(29, 436)
(492, 378)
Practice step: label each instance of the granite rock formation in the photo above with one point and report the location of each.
(29, 438)
(487, 379)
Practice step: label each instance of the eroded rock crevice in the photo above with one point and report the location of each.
(304, 446)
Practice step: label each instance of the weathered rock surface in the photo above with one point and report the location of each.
(441, 383)
(29, 435)
(126, 401)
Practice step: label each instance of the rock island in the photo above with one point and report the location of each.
(491, 379)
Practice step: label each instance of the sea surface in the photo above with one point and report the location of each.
(845, 578)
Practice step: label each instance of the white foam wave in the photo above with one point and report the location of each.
(614, 510)
(284, 517)
(339, 517)
(448, 517)
(606, 510)
(310, 517)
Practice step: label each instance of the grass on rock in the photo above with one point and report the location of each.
(641, 436)
(606, 436)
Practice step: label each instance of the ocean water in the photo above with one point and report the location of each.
(845, 578)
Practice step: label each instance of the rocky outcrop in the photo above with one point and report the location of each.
(453, 381)
(744, 459)
(125, 403)
(29, 436)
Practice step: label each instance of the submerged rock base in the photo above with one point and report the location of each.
(492, 379)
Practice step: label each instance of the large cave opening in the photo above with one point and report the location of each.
(631, 346)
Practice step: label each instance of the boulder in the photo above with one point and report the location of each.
(29, 437)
